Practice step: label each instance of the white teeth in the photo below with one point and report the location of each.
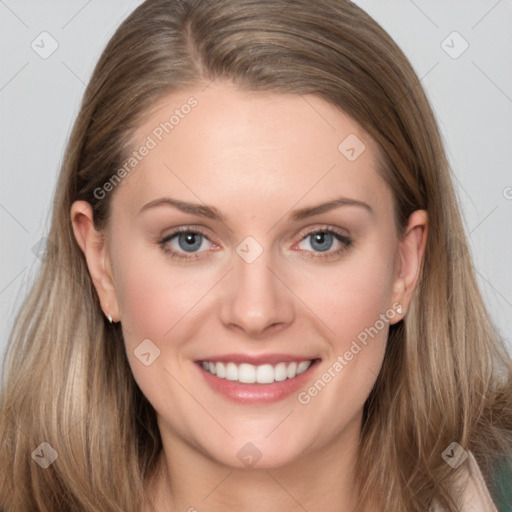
(262, 374)
(291, 371)
(231, 371)
(221, 370)
(265, 374)
(302, 367)
(247, 373)
(280, 372)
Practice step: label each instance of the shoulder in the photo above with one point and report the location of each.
(470, 490)
(502, 480)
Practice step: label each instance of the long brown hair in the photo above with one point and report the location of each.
(446, 374)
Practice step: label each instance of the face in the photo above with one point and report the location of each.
(256, 269)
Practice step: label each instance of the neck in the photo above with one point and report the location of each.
(321, 479)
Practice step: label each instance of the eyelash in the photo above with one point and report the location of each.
(177, 255)
(345, 241)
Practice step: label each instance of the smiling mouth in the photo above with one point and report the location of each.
(245, 373)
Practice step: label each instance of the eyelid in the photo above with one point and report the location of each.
(344, 239)
(181, 255)
(309, 230)
(189, 228)
(341, 237)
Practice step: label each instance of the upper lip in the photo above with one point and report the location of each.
(256, 360)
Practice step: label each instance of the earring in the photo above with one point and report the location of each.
(399, 309)
(110, 318)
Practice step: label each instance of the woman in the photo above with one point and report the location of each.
(259, 295)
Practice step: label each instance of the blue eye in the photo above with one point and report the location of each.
(321, 241)
(187, 244)
(325, 241)
(184, 241)
(190, 242)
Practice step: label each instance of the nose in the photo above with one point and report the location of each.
(256, 299)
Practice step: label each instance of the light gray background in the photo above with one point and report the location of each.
(471, 95)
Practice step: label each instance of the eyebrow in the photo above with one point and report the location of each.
(200, 210)
(210, 212)
(325, 207)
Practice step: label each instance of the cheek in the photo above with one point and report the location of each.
(157, 302)
(349, 296)
(146, 310)
(154, 295)
(354, 301)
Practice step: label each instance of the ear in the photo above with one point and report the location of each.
(410, 251)
(94, 247)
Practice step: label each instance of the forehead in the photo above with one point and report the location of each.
(226, 146)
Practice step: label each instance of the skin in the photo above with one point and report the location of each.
(256, 157)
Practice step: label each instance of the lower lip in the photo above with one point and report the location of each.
(257, 393)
